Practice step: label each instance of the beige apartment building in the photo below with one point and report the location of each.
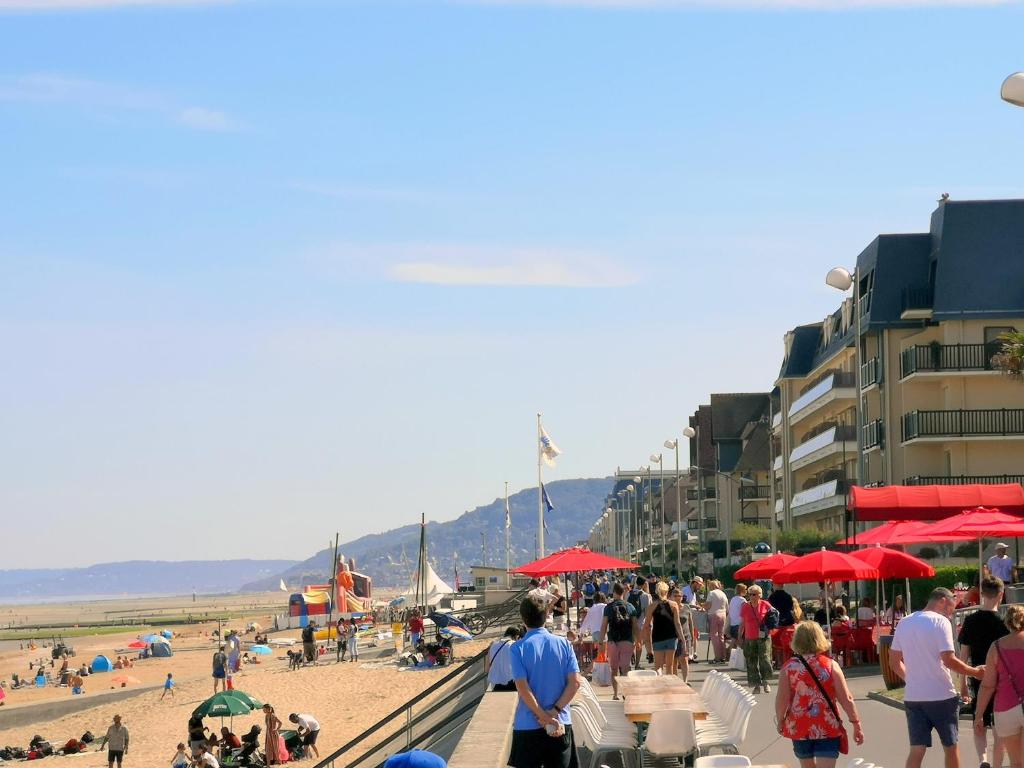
(933, 408)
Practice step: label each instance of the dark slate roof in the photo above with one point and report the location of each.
(898, 262)
(730, 413)
(980, 253)
(800, 360)
(755, 454)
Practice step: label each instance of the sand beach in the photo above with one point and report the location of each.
(346, 698)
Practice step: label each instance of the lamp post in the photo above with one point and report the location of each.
(630, 516)
(623, 523)
(673, 444)
(647, 510)
(1012, 91)
(638, 535)
(842, 280)
(691, 434)
(656, 458)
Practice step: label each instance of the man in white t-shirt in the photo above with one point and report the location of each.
(1000, 564)
(923, 654)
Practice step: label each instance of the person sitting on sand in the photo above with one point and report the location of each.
(118, 664)
(205, 759)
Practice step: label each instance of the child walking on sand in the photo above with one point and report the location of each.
(181, 759)
(168, 686)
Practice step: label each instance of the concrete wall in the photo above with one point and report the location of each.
(485, 742)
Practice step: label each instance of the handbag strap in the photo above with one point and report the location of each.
(1013, 679)
(500, 647)
(817, 682)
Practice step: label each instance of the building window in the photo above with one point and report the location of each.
(480, 582)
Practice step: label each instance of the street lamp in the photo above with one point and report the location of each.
(842, 280)
(691, 434)
(672, 444)
(656, 458)
(1012, 91)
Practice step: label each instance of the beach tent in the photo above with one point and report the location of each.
(101, 664)
(436, 588)
(161, 649)
(167, 633)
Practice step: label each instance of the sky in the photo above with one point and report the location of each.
(271, 270)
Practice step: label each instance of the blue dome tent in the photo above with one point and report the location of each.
(161, 649)
(101, 664)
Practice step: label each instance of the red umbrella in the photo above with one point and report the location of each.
(979, 523)
(895, 532)
(572, 560)
(764, 568)
(138, 644)
(825, 565)
(894, 564)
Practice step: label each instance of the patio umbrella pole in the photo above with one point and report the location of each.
(981, 565)
(828, 619)
(908, 594)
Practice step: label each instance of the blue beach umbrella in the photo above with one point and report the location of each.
(260, 650)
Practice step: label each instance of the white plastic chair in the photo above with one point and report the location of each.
(642, 673)
(599, 743)
(671, 734)
(731, 736)
(722, 761)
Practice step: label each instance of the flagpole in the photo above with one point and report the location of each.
(540, 494)
(508, 543)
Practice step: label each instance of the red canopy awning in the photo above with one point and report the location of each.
(932, 502)
(572, 560)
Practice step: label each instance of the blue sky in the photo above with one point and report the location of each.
(297, 267)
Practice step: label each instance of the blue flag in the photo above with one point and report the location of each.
(548, 506)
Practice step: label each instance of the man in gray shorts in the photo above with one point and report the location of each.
(923, 654)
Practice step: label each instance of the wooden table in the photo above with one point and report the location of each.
(638, 709)
(638, 686)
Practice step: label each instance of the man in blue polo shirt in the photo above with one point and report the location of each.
(545, 671)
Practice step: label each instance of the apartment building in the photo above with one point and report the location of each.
(730, 452)
(933, 408)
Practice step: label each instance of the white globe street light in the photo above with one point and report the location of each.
(1012, 91)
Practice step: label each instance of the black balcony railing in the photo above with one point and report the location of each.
(963, 479)
(754, 491)
(918, 297)
(960, 423)
(763, 522)
(870, 373)
(947, 357)
(709, 523)
(691, 494)
(874, 434)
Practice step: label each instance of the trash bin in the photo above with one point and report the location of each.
(1014, 593)
(892, 680)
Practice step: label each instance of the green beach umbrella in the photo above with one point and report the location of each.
(244, 697)
(222, 704)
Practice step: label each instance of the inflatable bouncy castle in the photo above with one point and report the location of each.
(315, 602)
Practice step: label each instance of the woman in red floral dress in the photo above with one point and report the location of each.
(803, 713)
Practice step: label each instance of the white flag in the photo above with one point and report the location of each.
(508, 516)
(548, 450)
(283, 587)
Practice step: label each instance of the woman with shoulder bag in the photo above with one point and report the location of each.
(811, 685)
(497, 663)
(1004, 680)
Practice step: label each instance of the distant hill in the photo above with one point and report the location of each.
(139, 577)
(577, 504)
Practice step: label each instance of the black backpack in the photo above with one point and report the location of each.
(635, 598)
(620, 623)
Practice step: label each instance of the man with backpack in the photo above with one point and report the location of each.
(588, 592)
(640, 598)
(619, 632)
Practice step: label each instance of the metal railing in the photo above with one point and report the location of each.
(443, 706)
(947, 357)
(964, 423)
(918, 297)
(963, 479)
(753, 491)
(691, 494)
(870, 373)
(874, 434)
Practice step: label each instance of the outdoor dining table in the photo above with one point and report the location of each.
(646, 695)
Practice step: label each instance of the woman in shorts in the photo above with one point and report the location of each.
(662, 629)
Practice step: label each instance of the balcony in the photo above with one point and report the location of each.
(749, 492)
(836, 439)
(963, 479)
(827, 495)
(710, 523)
(837, 385)
(776, 420)
(870, 373)
(947, 358)
(691, 494)
(976, 424)
(874, 434)
(917, 303)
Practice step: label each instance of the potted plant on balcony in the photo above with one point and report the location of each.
(1010, 358)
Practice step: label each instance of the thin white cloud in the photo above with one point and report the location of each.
(57, 89)
(459, 264)
(807, 5)
(92, 5)
(356, 192)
